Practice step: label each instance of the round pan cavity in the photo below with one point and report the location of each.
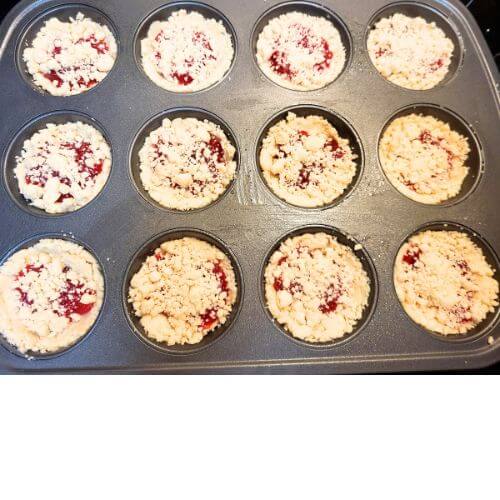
(345, 130)
(474, 159)
(16, 145)
(153, 124)
(311, 9)
(29, 242)
(431, 15)
(163, 13)
(135, 264)
(63, 13)
(361, 254)
(491, 319)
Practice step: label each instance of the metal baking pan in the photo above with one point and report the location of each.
(121, 223)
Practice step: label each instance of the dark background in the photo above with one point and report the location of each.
(486, 13)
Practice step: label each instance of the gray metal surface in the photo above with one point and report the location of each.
(250, 220)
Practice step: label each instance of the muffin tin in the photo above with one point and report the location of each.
(120, 224)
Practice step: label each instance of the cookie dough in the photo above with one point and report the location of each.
(182, 292)
(316, 288)
(187, 52)
(410, 52)
(444, 283)
(424, 159)
(186, 163)
(300, 52)
(50, 296)
(68, 58)
(305, 161)
(63, 167)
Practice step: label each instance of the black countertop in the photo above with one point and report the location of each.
(486, 13)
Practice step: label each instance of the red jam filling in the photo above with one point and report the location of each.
(330, 298)
(327, 56)
(295, 287)
(30, 268)
(215, 147)
(23, 297)
(182, 78)
(23, 294)
(462, 314)
(278, 283)
(412, 256)
(99, 45)
(306, 39)
(56, 50)
(282, 260)
(185, 78)
(305, 133)
(436, 65)
(209, 318)
(201, 38)
(221, 276)
(380, 52)
(304, 177)
(426, 138)
(333, 144)
(64, 196)
(37, 179)
(53, 77)
(70, 300)
(463, 266)
(82, 151)
(279, 64)
(159, 256)
(84, 83)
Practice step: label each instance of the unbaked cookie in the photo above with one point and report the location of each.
(68, 58)
(50, 296)
(305, 161)
(444, 283)
(182, 292)
(316, 288)
(186, 163)
(423, 158)
(410, 52)
(63, 167)
(300, 52)
(187, 52)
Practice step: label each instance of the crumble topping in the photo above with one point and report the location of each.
(187, 52)
(305, 161)
(68, 58)
(50, 295)
(424, 159)
(316, 288)
(300, 52)
(63, 167)
(182, 292)
(410, 52)
(444, 282)
(187, 163)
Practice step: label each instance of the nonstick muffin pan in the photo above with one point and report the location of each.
(120, 224)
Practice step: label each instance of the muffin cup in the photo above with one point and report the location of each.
(135, 264)
(368, 266)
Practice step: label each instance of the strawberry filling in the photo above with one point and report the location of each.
(221, 277)
(182, 78)
(280, 64)
(331, 299)
(209, 318)
(412, 256)
(99, 45)
(82, 152)
(70, 300)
